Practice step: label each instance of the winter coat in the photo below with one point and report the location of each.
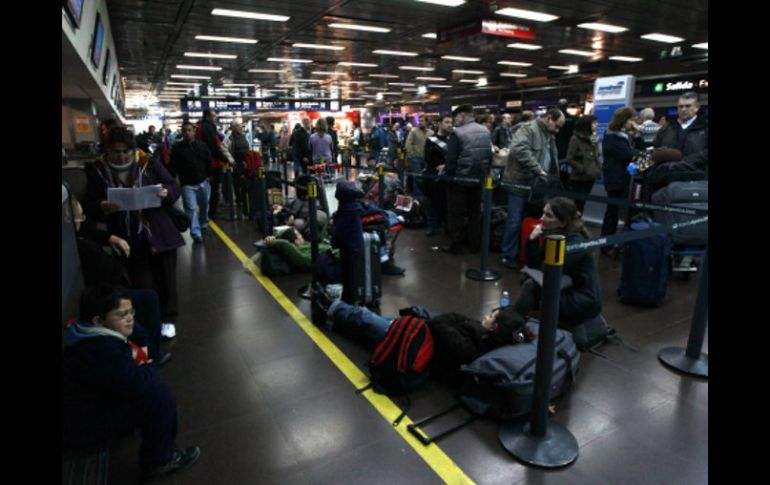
(692, 142)
(191, 161)
(469, 152)
(527, 157)
(618, 152)
(583, 156)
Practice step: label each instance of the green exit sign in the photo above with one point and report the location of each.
(659, 88)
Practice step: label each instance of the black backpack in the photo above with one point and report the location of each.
(399, 363)
(592, 333)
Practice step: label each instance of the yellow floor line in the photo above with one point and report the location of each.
(434, 456)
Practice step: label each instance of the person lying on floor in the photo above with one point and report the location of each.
(296, 212)
(457, 339)
(294, 249)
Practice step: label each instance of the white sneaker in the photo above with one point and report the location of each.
(168, 330)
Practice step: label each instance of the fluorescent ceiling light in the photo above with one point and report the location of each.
(373, 88)
(474, 81)
(353, 99)
(444, 3)
(400, 84)
(626, 58)
(186, 76)
(460, 58)
(670, 39)
(249, 15)
(236, 40)
(357, 64)
(305, 81)
(356, 82)
(482, 81)
(529, 47)
(326, 73)
(391, 93)
(465, 71)
(276, 71)
(318, 46)
(369, 96)
(284, 59)
(702, 45)
(386, 76)
(208, 54)
(394, 53)
(561, 68)
(239, 85)
(425, 78)
(286, 86)
(514, 63)
(416, 68)
(365, 28)
(612, 29)
(200, 68)
(512, 74)
(410, 90)
(526, 14)
(577, 52)
(429, 35)
(177, 83)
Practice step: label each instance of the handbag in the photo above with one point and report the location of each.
(178, 217)
(550, 182)
(500, 157)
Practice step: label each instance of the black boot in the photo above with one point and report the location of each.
(390, 268)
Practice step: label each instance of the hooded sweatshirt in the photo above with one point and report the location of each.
(348, 231)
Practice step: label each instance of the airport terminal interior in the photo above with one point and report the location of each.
(269, 396)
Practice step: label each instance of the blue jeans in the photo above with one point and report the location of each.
(416, 165)
(196, 198)
(512, 232)
(359, 319)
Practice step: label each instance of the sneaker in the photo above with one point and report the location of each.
(165, 359)
(320, 297)
(390, 268)
(168, 330)
(509, 263)
(197, 239)
(180, 459)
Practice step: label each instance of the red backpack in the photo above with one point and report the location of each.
(400, 362)
(252, 163)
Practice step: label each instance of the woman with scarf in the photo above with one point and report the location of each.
(151, 234)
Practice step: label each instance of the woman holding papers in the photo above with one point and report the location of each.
(149, 230)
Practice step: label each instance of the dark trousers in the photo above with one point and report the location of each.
(464, 202)
(156, 272)
(436, 191)
(154, 412)
(612, 214)
(216, 187)
(528, 299)
(147, 308)
(584, 188)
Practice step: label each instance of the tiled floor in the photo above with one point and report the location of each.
(267, 406)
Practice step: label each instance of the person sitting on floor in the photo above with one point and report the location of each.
(294, 249)
(107, 392)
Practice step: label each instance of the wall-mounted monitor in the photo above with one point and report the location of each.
(97, 41)
(106, 71)
(74, 9)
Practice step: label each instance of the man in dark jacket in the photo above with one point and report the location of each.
(689, 134)
(335, 138)
(207, 133)
(300, 143)
(238, 146)
(469, 155)
(108, 392)
(190, 159)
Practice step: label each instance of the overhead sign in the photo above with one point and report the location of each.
(612, 88)
(507, 29)
(459, 31)
(515, 103)
(188, 105)
(669, 86)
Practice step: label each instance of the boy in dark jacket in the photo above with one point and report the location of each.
(109, 392)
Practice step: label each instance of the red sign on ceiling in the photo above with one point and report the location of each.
(506, 29)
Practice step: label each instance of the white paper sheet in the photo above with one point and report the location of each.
(135, 198)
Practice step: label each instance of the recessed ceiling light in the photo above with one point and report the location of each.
(284, 59)
(237, 40)
(526, 14)
(514, 63)
(465, 71)
(512, 74)
(626, 58)
(576, 52)
(612, 29)
(318, 46)
(386, 76)
(460, 58)
(529, 47)
(365, 28)
(401, 84)
(186, 76)
(670, 39)
(444, 3)
(429, 35)
(425, 78)
(249, 15)
(417, 68)
(394, 53)
(208, 54)
(702, 45)
(200, 68)
(275, 71)
(356, 64)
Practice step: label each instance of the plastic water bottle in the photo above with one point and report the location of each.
(505, 300)
(632, 169)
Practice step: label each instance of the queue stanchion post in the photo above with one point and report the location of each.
(265, 206)
(535, 441)
(381, 181)
(691, 360)
(285, 180)
(312, 197)
(484, 273)
(229, 191)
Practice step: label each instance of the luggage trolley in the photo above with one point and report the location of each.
(328, 175)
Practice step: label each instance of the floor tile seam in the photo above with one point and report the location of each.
(433, 456)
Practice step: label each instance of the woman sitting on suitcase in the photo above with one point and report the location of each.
(580, 301)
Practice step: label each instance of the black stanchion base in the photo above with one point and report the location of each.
(483, 274)
(675, 358)
(304, 292)
(558, 448)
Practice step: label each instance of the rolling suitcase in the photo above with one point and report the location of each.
(694, 195)
(367, 275)
(646, 268)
